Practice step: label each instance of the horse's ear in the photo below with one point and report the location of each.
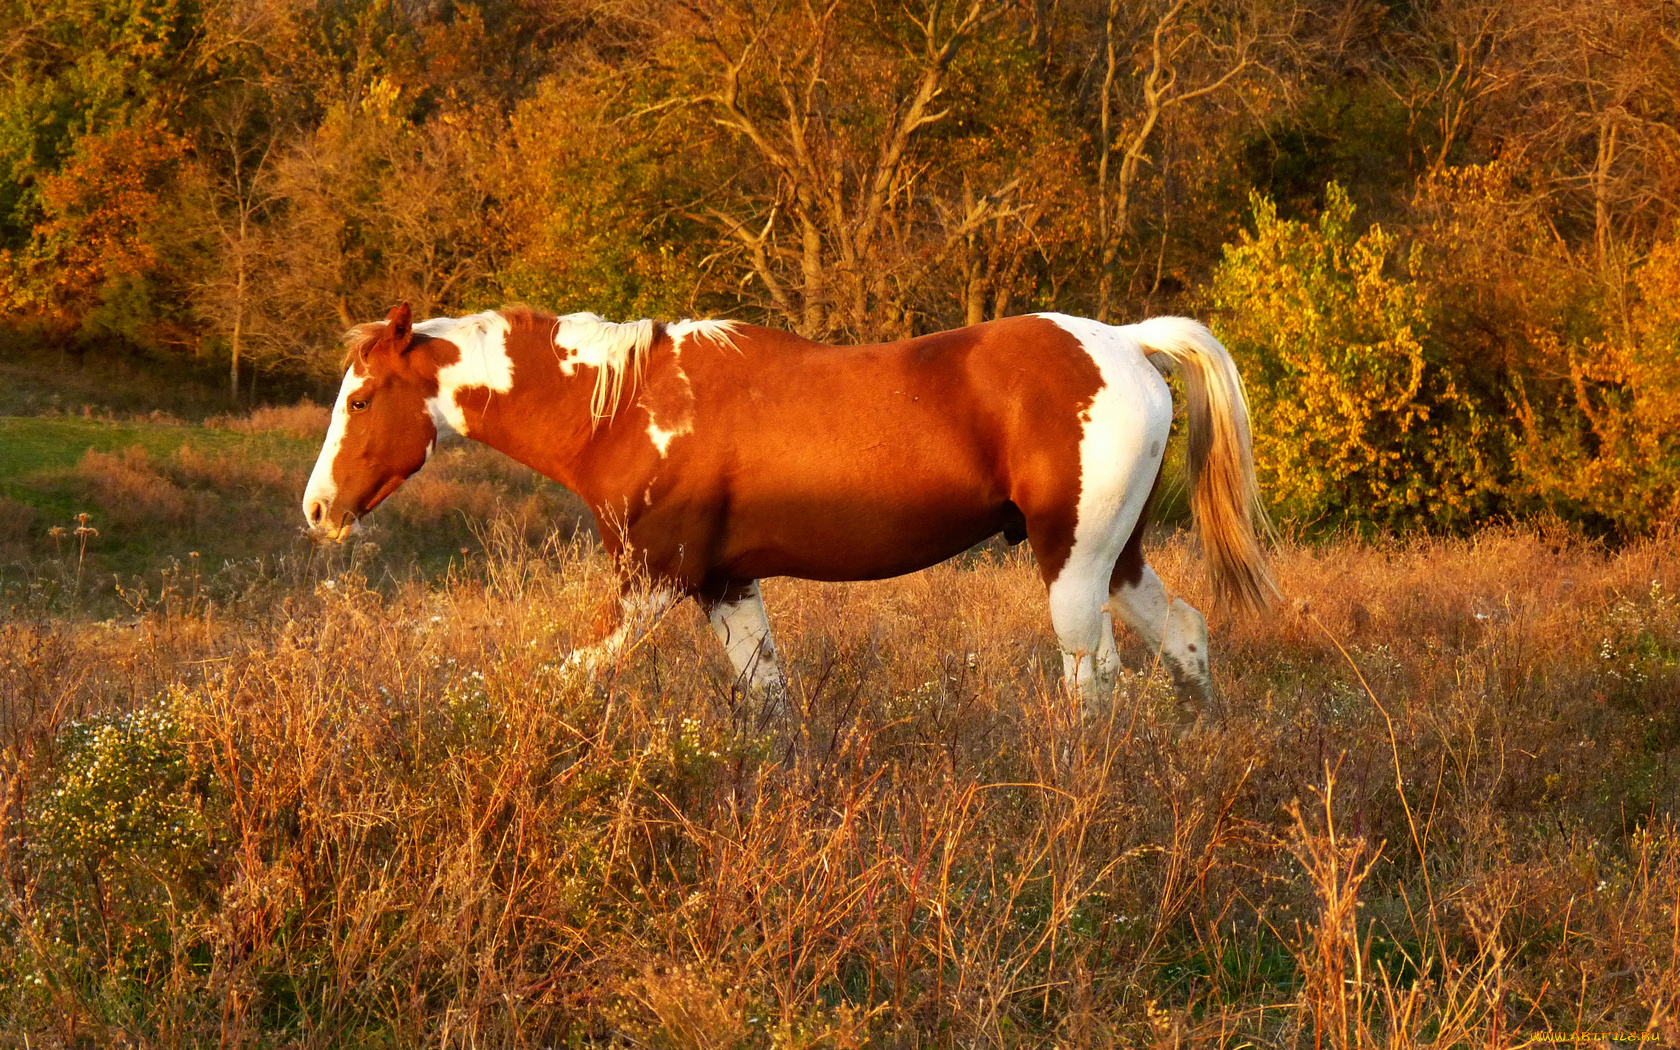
(402, 325)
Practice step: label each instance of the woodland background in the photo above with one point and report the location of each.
(1439, 235)
(258, 793)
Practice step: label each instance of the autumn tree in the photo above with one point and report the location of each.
(865, 157)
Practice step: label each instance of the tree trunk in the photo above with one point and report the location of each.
(238, 336)
(1105, 234)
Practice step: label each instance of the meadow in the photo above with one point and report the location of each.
(284, 796)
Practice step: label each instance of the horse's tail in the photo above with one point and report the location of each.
(1224, 498)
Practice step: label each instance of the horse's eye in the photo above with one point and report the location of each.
(357, 406)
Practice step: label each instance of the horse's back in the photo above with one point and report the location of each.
(887, 457)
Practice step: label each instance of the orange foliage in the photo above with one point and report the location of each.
(1621, 459)
(101, 209)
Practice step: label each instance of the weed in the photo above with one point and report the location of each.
(371, 808)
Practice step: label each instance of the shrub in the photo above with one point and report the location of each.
(119, 843)
(1614, 453)
(131, 487)
(1357, 416)
(304, 420)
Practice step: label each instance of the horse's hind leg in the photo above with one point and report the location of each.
(1169, 626)
(1079, 594)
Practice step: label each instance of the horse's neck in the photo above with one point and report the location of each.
(544, 420)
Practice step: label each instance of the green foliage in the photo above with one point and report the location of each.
(1357, 416)
(126, 802)
(122, 846)
(586, 209)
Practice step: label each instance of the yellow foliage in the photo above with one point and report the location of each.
(1354, 419)
(1617, 456)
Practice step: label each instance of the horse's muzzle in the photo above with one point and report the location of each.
(321, 527)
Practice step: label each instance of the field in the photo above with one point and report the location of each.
(274, 796)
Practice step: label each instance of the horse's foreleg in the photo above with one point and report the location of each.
(737, 616)
(621, 623)
(738, 619)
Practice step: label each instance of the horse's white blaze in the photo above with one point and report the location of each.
(484, 362)
(322, 488)
(744, 630)
(1122, 431)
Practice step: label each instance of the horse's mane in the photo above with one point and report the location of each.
(618, 351)
(357, 341)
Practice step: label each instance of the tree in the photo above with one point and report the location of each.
(236, 191)
(829, 105)
(1160, 41)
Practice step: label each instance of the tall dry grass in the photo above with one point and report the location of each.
(1436, 807)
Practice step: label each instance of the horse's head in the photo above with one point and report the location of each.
(382, 428)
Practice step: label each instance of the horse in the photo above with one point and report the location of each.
(714, 454)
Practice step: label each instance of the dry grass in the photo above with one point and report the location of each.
(305, 420)
(1436, 808)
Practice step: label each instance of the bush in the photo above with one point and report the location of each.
(120, 853)
(1613, 452)
(1357, 416)
(305, 420)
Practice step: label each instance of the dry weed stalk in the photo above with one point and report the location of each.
(358, 812)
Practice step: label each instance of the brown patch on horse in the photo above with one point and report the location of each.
(1044, 476)
(1128, 568)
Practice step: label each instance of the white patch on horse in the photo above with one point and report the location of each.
(661, 437)
(322, 489)
(1131, 409)
(484, 362)
(681, 334)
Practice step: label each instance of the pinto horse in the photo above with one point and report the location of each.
(714, 454)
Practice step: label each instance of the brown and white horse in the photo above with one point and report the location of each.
(714, 454)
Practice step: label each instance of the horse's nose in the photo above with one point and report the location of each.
(317, 511)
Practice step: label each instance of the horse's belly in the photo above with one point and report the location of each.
(843, 538)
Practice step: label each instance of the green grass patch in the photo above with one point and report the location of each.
(177, 505)
(38, 453)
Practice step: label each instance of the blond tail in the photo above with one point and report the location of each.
(1224, 498)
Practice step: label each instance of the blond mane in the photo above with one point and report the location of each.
(618, 351)
(356, 342)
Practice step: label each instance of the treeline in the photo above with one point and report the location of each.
(1439, 235)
